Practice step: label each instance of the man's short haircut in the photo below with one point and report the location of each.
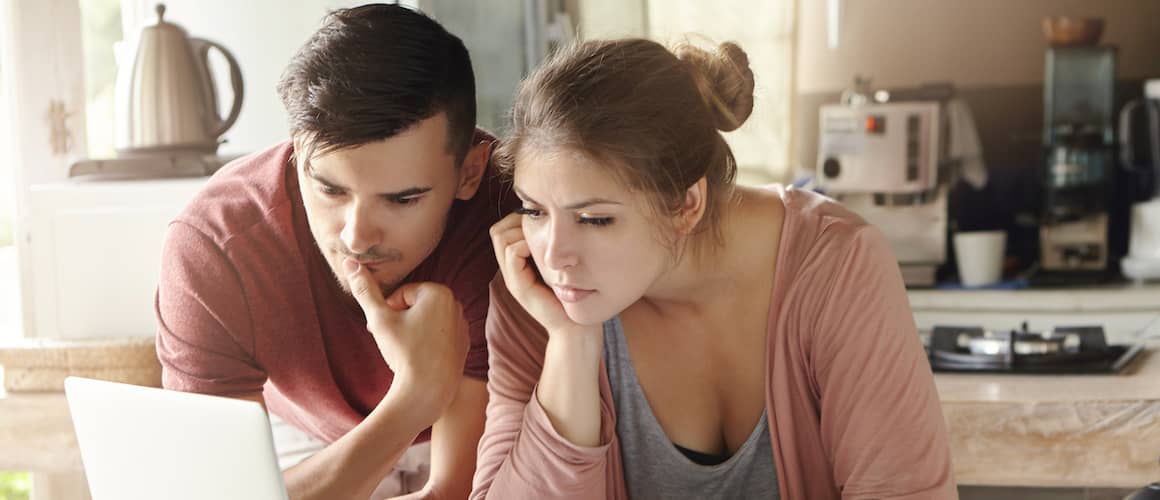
(374, 71)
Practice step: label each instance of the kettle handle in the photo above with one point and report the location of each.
(1152, 115)
(1127, 149)
(201, 46)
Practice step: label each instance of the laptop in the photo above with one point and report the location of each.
(142, 443)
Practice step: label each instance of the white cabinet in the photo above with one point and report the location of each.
(96, 250)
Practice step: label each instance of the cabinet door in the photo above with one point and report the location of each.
(96, 251)
(105, 263)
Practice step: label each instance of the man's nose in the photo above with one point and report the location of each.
(359, 233)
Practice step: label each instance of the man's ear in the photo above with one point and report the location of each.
(693, 206)
(472, 170)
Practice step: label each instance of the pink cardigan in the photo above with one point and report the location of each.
(853, 411)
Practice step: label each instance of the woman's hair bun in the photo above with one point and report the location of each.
(724, 79)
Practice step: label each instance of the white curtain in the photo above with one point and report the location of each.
(44, 107)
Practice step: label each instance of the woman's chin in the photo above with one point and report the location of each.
(586, 315)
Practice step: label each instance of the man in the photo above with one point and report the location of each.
(340, 278)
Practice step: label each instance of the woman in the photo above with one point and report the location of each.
(661, 333)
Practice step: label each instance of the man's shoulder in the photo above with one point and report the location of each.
(249, 192)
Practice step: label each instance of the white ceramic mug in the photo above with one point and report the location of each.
(1145, 232)
(980, 256)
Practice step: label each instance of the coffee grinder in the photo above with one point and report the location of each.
(1079, 161)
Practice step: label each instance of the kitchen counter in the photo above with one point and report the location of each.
(1017, 430)
(1123, 310)
(1052, 430)
(1076, 430)
(1120, 297)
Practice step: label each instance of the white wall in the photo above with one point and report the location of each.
(262, 35)
(975, 43)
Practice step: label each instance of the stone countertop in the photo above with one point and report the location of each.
(1140, 381)
(1056, 431)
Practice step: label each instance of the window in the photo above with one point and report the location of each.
(9, 285)
(100, 30)
(765, 29)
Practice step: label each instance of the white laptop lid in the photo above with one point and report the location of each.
(141, 443)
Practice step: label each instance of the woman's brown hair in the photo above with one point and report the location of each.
(652, 117)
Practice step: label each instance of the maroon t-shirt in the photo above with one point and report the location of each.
(247, 304)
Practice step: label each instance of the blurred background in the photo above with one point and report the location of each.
(1008, 150)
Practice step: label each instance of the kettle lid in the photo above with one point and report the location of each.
(162, 23)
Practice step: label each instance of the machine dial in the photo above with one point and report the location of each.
(831, 168)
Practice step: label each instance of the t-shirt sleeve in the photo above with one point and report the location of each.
(468, 277)
(881, 420)
(205, 338)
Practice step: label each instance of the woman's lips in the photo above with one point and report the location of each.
(571, 294)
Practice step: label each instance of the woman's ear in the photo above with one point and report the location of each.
(692, 208)
(472, 170)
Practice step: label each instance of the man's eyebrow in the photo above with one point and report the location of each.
(406, 193)
(318, 177)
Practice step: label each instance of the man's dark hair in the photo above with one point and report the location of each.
(374, 71)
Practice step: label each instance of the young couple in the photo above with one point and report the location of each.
(633, 325)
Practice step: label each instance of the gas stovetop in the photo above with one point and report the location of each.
(1063, 350)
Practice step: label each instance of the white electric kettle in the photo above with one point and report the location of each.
(1143, 259)
(165, 98)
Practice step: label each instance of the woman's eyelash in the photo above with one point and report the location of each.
(592, 221)
(596, 221)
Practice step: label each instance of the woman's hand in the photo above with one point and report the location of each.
(519, 274)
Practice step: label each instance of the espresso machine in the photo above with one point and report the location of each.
(1078, 166)
(881, 158)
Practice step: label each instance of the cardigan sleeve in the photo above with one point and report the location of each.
(520, 454)
(881, 420)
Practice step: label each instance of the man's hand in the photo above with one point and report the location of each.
(421, 334)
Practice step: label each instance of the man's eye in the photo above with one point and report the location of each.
(530, 212)
(406, 201)
(329, 190)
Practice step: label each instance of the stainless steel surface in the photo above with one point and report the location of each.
(1044, 346)
(879, 148)
(882, 160)
(165, 97)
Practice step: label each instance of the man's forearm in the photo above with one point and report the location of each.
(356, 463)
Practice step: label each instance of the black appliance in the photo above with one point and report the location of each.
(1064, 350)
(1079, 121)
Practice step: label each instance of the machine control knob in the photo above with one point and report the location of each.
(831, 167)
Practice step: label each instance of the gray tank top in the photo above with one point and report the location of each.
(654, 467)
